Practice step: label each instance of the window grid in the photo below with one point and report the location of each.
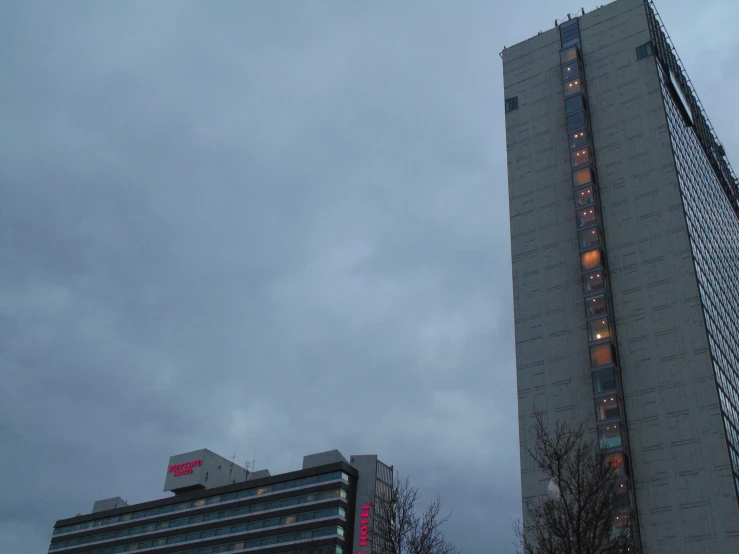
(713, 231)
(208, 501)
(235, 513)
(598, 310)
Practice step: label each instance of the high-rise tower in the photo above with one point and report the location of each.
(625, 245)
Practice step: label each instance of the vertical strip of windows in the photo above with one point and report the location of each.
(600, 323)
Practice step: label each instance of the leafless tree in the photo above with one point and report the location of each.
(584, 512)
(402, 528)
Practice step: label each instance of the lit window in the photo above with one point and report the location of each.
(601, 354)
(617, 462)
(604, 380)
(598, 329)
(580, 157)
(570, 71)
(585, 217)
(576, 121)
(578, 140)
(607, 408)
(584, 197)
(593, 282)
(644, 51)
(511, 104)
(590, 259)
(596, 305)
(588, 238)
(568, 55)
(582, 177)
(572, 87)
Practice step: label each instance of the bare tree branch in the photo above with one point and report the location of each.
(588, 512)
(401, 529)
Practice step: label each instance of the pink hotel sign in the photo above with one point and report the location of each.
(364, 528)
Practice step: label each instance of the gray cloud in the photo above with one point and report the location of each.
(232, 227)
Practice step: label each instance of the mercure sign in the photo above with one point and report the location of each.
(184, 469)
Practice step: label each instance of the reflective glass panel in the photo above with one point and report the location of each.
(576, 121)
(604, 380)
(588, 238)
(590, 259)
(593, 282)
(574, 104)
(607, 408)
(585, 217)
(580, 157)
(599, 329)
(596, 305)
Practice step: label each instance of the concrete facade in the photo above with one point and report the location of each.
(685, 495)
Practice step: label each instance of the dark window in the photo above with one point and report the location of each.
(604, 380)
(574, 104)
(511, 104)
(644, 51)
(576, 121)
(569, 33)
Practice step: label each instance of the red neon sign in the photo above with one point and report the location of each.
(364, 526)
(184, 469)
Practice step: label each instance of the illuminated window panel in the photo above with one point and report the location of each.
(585, 217)
(601, 354)
(609, 435)
(570, 71)
(591, 259)
(582, 177)
(596, 305)
(573, 87)
(588, 238)
(607, 408)
(578, 140)
(568, 55)
(580, 157)
(618, 463)
(599, 329)
(593, 282)
(584, 197)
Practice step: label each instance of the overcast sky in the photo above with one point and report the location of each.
(268, 229)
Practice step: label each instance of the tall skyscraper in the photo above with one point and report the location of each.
(625, 246)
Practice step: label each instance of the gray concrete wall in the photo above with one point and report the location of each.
(552, 359)
(675, 427)
(679, 458)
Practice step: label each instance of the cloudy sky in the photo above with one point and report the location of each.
(268, 229)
